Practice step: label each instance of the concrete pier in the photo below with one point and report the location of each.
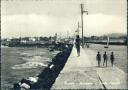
(82, 73)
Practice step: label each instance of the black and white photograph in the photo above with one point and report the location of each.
(64, 44)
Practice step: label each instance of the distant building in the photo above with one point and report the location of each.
(32, 39)
(15, 40)
(24, 40)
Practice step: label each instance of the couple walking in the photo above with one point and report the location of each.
(105, 57)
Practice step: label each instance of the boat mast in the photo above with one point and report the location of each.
(108, 41)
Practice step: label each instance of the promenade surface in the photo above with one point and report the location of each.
(82, 73)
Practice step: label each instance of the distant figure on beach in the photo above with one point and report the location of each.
(98, 58)
(105, 57)
(77, 43)
(112, 58)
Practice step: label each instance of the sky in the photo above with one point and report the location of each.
(47, 17)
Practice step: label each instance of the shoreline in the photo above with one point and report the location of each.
(47, 76)
(18, 63)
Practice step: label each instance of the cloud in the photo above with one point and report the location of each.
(27, 25)
(45, 25)
(99, 24)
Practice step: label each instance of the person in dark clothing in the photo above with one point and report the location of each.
(105, 58)
(77, 43)
(98, 58)
(112, 58)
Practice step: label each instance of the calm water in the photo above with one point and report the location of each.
(18, 63)
(120, 53)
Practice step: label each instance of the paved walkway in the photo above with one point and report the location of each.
(82, 73)
(111, 77)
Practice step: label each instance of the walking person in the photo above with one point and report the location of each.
(77, 43)
(112, 58)
(105, 57)
(98, 58)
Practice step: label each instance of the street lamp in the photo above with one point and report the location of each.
(82, 12)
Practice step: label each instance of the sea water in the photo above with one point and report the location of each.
(18, 63)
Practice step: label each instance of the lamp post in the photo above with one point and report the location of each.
(82, 12)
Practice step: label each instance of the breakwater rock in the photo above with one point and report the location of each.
(48, 76)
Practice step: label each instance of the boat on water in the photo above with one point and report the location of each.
(107, 43)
